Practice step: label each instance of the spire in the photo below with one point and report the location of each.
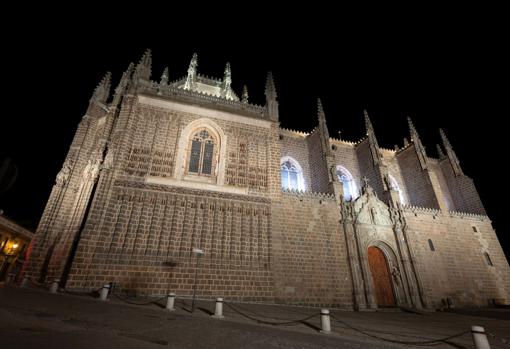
(245, 95)
(320, 112)
(374, 145)
(271, 102)
(227, 80)
(270, 91)
(102, 91)
(164, 77)
(191, 79)
(123, 84)
(323, 128)
(412, 130)
(420, 149)
(163, 82)
(144, 67)
(450, 153)
(368, 124)
(440, 152)
(446, 142)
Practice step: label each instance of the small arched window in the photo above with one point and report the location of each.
(396, 187)
(431, 245)
(348, 183)
(291, 174)
(202, 154)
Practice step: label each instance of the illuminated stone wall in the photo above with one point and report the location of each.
(124, 209)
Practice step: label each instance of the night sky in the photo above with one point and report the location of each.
(447, 69)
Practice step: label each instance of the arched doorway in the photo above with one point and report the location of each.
(381, 277)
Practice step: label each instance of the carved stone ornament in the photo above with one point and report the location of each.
(63, 176)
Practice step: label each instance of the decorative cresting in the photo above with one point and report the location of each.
(201, 153)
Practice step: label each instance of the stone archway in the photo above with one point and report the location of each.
(381, 277)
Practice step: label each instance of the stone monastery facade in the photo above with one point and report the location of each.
(161, 168)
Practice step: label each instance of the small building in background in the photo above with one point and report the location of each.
(14, 242)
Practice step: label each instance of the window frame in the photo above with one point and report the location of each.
(211, 138)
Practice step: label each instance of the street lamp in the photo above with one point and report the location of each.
(198, 252)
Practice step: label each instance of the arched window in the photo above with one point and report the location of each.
(291, 174)
(202, 154)
(348, 183)
(396, 187)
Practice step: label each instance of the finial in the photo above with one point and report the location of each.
(164, 77)
(340, 135)
(163, 82)
(143, 68)
(439, 151)
(412, 129)
(450, 153)
(420, 149)
(227, 73)
(123, 84)
(270, 91)
(226, 92)
(368, 123)
(406, 142)
(320, 111)
(374, 145)
(245, 95)
(192, 73)
(102, 91)
(445, 140)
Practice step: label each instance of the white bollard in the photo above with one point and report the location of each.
(480, 338)
(54, 286)
(170, 301)
(218, 310)
(325, 322)
(103, 294)
(26, 280)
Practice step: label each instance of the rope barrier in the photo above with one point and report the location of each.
(92, 293)
(127, 300)
(269, 322)
(37, 283)
(503, 340)
(260, 315)
(424, 343)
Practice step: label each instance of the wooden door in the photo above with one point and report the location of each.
(381, 277)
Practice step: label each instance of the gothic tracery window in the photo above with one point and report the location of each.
(202, 154)
(291, 175)
(396, 187)
(348, 183)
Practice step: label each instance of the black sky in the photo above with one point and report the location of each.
(445, 68)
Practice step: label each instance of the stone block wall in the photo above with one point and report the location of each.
(295, 145)
(463, 192)
(144, 241)
(417, 181)
(458, 269)
(309, 254)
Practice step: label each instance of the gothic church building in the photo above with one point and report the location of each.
(161, 168)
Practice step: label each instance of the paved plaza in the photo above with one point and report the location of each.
(34, 318)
